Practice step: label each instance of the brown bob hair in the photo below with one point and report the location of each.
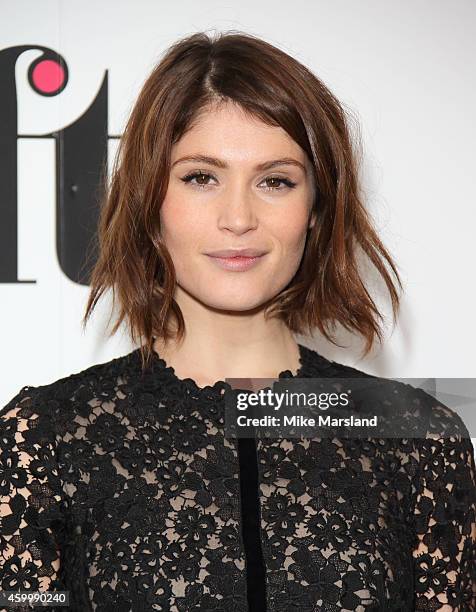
(195, 72)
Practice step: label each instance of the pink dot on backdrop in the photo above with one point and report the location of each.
(48, 76)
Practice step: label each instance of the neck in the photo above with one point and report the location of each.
(209, 358)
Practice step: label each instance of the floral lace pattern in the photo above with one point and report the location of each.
(120, 487)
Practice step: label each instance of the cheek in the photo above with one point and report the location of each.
(289, 230)
(180, 223)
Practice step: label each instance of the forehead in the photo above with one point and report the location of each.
(230, 132)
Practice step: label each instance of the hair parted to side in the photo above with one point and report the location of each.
(196, 72)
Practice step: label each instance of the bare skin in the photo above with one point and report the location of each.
(234, 207)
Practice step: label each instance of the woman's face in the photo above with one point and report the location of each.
(232, 204)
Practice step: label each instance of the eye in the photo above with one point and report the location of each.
(196, 175)
(285, 181)
(201, 176)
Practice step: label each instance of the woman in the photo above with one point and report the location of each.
(118, 483)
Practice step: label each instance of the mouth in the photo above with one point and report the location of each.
(228, 253)
(237, 263)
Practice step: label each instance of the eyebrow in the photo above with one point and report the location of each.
(213, 161)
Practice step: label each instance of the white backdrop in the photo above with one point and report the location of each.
(406, 70)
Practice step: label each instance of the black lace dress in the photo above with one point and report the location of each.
(120, 487)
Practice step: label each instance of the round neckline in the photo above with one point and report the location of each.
(189, 387)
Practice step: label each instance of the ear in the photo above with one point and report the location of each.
(312, 220)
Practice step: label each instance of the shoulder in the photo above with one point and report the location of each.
(57, 399)
(316, 364)
(435, 418)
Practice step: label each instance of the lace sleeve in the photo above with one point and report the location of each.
(30, 499)
(445, 518)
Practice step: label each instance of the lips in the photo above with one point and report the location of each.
(232, 253)
(237, 263)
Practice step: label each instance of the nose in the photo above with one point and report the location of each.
(237, 209)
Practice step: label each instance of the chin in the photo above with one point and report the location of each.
(224, 301)
(233, 291)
